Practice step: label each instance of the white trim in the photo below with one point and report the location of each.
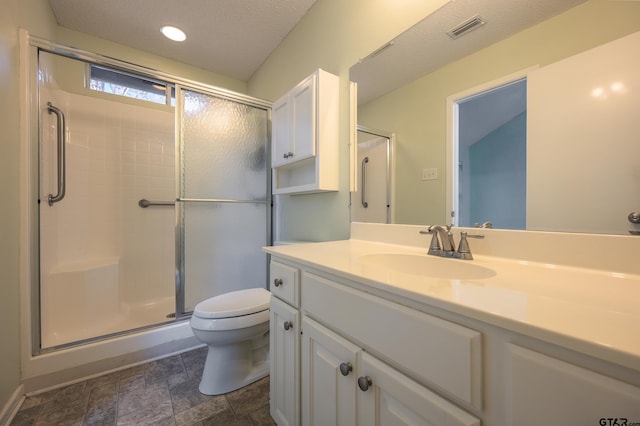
(452, 133)
(26, 214)
(353, 136)
(392, 178)
(12, 406)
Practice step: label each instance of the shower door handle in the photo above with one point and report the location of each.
(364, 183)
(62, 160)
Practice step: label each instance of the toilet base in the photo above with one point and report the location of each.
(231, 367)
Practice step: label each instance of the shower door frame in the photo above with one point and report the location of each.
(389, 170)
(181, 201)
(32, 123)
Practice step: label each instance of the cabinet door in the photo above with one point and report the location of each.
(284, 340)
(543, 390)
(387, 397)
(328, 377)
(281, 131)
(303, 111)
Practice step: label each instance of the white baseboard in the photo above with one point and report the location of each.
(12, 406)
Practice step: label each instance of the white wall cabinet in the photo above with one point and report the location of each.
(304, 136)
(293, 135)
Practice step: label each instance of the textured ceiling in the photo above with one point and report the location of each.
(229, 37)
(426, 47)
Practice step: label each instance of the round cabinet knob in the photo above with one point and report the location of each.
(277, 282)
(634, 217)
(288, 325)
(346, 368)
(364, 382)
(286, 155)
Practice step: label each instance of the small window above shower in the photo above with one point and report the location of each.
(129, 85)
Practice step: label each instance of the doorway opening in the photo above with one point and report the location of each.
(488, 147)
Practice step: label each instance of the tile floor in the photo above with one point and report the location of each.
(162, 392)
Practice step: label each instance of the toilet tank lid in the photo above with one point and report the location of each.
(234, 304)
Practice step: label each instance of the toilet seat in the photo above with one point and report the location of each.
(233, 323)
(234, 304)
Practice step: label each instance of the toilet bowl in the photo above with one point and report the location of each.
(235, 326)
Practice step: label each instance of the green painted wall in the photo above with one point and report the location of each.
(15, 14)
(333, 36)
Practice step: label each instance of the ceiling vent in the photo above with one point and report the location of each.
(381, 49)
(465, 27)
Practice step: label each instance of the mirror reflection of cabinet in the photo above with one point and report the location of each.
(304, 136)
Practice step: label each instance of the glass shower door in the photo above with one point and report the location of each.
(223, 198)
(105, 264)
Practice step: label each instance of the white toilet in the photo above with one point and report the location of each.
(235, 326)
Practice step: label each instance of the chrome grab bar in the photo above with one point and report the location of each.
(62, 161)
(365, 160)
(144, 203)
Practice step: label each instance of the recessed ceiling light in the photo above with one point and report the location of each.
(173, 33)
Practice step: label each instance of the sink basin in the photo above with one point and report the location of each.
(428, 266)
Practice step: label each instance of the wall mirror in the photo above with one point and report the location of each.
(581, 160)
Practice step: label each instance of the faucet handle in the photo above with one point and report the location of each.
(434, 245)
(463, 248)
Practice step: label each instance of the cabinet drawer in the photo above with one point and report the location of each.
(432, 350)
(284, 282)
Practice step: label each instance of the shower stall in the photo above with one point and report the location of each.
(152, 194)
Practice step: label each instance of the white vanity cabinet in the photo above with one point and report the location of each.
(387, 397)
(328, 376)
(531, 345)
(427, 348)
(304, 136)
(546, 390)
(284, 341)
(344, 385)
(340, 383)
(372, 357)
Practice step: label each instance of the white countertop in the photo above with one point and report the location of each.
(590, 311)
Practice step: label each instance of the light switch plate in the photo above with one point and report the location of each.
(430, 174)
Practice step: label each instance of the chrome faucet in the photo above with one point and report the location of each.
(443, 245)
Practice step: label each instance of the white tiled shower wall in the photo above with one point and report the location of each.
(117, 153)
